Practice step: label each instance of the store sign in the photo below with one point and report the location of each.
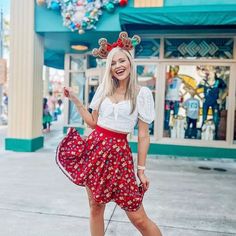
(3, 71)
(148, 3)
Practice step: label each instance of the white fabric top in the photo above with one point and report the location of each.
(116, 116)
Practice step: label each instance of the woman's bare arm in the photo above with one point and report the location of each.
(89, 119)
(143, 145)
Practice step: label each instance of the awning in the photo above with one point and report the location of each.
(54, 59)
(154, 18)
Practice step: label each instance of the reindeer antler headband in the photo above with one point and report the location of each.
(123, 42)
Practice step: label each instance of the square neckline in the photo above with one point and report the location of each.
(114, 103)
(123, 101)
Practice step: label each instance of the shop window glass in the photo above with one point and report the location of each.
(148, 48)
(209, 48)
(147, 75)
(196, 102)
(77, 82)
(92, 86)
(77, 63)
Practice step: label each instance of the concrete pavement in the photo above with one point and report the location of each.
(36, 199)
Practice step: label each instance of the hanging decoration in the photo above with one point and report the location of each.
(123, 3)
(81, 15)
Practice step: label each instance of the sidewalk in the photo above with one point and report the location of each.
(184, 200)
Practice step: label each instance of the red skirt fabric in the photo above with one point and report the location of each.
(103, 162)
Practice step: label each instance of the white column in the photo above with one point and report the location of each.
(25, 84)
(46, 82)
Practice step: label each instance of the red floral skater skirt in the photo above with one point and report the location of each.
(103, 162)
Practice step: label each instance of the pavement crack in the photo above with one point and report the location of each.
(45, 213)
(196, 229)
(110, 219)
(181, 227)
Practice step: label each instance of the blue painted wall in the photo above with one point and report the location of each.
(58, 38)
(48, 21)
(51, 21)
(197, 2)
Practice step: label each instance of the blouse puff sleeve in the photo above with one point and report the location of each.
(145, 105)
(96, 98)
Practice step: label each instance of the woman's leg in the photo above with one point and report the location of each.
(141, 221)
(96, 216)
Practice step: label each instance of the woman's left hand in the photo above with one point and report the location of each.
(143, 179)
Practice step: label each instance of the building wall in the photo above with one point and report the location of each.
(51, 21)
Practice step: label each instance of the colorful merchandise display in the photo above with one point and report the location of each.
(196, 102)
(81, 15)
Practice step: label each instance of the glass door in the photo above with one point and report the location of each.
(76, 80)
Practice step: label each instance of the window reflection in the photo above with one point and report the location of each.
(77, 82)
(147, 77)
(195, 102)
(77, 63)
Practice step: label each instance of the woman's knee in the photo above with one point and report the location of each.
(96, 208)
(139, 218)
(140, 222)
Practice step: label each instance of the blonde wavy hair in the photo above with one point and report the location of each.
(109, 84)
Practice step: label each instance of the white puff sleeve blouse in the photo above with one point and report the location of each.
(145, 105)
(117, 116)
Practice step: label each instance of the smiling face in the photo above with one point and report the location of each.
(120, 66)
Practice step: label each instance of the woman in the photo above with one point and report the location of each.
(106, 166)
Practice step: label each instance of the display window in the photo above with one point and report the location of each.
(147, 76)
(77, 63)
(196, 102)
(90, 90)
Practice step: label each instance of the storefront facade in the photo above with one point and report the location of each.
(213, 100)
(187, 58)
(194, 95)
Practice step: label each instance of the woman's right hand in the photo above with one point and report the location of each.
(143, 180)
(69, 93)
